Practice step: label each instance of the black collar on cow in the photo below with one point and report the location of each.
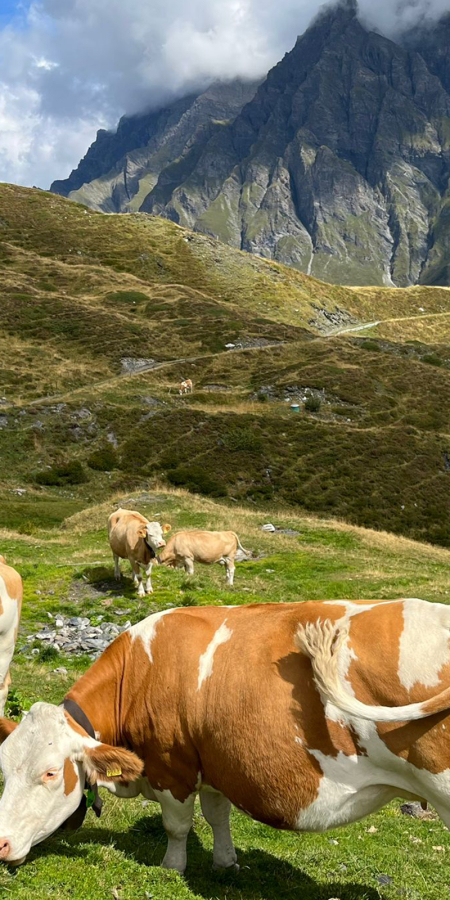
(93, 798)
(149, 547)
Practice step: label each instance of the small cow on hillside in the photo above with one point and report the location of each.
(11, 593)
(133, 537)
(291, 711)
(207, 547)
(186, 386)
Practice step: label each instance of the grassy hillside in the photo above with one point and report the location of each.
(69, 570)
(87, 299)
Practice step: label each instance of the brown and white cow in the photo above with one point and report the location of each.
(133, 537)
(207, 547)
(186, 386)
(292, 712)
(11, 592)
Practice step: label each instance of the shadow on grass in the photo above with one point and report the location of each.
(261, 874)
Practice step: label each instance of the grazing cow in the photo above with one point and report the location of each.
(187, 547)
(133, 537)
(290, 711)
(10, 606)
(186, 386)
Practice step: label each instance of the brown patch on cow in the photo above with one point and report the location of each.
(6, 727)
(70, 777)
(101, 691)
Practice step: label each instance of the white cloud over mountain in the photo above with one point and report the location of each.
(68, 67)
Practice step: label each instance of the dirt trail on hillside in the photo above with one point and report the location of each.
(125, 376)
(115, 379)
(421, 316)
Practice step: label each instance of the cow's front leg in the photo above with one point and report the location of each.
(189, 566)
(148, 583)
(137, 577)
(116, 567)
(216, 810)
(177, 821)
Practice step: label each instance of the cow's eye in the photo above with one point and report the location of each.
(50, 775)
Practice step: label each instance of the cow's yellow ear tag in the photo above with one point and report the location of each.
(113, 773)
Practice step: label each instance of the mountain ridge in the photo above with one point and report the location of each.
(338, 163)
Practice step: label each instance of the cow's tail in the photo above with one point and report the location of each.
(322, 642)
(240, 547)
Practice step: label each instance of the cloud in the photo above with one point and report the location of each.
(69, 67)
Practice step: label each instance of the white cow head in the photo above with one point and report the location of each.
(152, 533)
(45, 764)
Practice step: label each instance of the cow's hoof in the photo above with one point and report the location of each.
(173, 868)
(234, 867)
(150, 591)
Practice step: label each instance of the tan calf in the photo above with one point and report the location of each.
(133, 537)
(207, 547)
(10, 607)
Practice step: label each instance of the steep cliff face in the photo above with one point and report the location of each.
(120, 168)
(338, 164)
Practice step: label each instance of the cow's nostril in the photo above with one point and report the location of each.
(5, 848)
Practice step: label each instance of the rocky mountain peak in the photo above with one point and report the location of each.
(338, 163)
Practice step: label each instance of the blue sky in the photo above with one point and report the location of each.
(69, 67)
(10, 9)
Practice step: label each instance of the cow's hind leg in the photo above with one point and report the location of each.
(116, 567)
(177, 821)
(216, 810)
(188, 565)
(4, 686)
(229, 566)
(148, 583)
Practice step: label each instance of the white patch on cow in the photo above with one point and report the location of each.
(133, 789)
(349, 789)
(354, 786)
(205, 665)
(298, 740)
(424, 643)
(146, 630)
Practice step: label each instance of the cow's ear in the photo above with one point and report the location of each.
(106, 763)
(142, 531)
(166, 528)
(6, 727)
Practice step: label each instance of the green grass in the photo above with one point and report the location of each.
(118, 856)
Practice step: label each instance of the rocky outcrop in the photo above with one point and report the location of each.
(337, 165)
